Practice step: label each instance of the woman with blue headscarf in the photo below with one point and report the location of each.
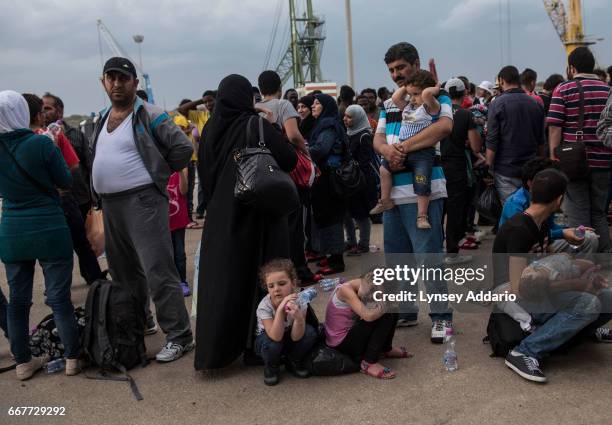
(326, 144)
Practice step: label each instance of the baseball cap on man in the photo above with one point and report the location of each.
(120, 64)
(454, 85)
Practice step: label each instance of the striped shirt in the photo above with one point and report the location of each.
(564, 111)
(414, 120)
(389, 124)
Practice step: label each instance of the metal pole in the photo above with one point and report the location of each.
(349, 43)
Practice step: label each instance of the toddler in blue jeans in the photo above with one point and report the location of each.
(281, 324)
(417, 99)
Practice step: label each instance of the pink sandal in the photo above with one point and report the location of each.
(384, 373)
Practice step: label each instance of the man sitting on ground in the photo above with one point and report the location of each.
(560, 309)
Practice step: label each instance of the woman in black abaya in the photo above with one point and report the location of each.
(236, 239)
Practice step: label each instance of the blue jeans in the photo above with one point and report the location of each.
(506, 186)
(364, 231)
(403, 237)
(3, 324)
(421, 162)
(58, 278)
(562, 317)
(271, 351)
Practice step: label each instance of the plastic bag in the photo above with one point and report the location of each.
(94, 229)
(489, 206)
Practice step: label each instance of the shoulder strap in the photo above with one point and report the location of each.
(27, 175)
(580, 133)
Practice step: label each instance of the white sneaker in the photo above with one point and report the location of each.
(173, 351)
(438, 331)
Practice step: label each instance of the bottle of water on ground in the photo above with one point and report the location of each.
(450, 355)
(55, 365)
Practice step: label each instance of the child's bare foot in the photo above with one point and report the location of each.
(398, 353)
(382, 206)
(423, 222)
(376, 370)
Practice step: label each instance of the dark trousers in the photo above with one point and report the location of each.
(88, 262)
(3, 313)
(84, 208)
(271, 351)
(368, 340)
(201, 209)
(140, 255)
(455, 207)
(296, 242)
(191, 175)
(180, 259)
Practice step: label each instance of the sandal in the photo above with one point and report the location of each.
(403, 354)
(384, 373)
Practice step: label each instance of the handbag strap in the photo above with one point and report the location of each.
(27, 175)
(262, 142)
(580, 132)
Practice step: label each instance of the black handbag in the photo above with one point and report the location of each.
(260, 183)
(572, 155)
(347, 179)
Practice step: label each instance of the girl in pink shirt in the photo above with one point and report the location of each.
(179, 219)
(359, 331)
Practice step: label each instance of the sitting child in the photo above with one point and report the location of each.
(420, 111)
(281, 324)
(366, 334)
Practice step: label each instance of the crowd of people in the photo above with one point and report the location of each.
(419, 157)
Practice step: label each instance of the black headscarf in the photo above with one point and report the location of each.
(329, 118)
(226, 129)
(307, 124)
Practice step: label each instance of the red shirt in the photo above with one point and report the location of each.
(65, 148)
(177, 207)
(536, 97)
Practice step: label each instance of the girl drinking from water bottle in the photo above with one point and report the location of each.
(362, 332)
(281, 323)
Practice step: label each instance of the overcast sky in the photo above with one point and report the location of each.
(190, 45)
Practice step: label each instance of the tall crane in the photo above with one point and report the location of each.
(303, 55)
(568, 25)
(115, 47)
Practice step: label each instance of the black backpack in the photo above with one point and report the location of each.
(114, 331)
(503, 333)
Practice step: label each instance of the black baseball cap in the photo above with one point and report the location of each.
(120, 64)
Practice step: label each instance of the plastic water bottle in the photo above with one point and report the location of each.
(450, 355)
(328, 284)
(55, 366)
(579, 233)
(305, 297)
